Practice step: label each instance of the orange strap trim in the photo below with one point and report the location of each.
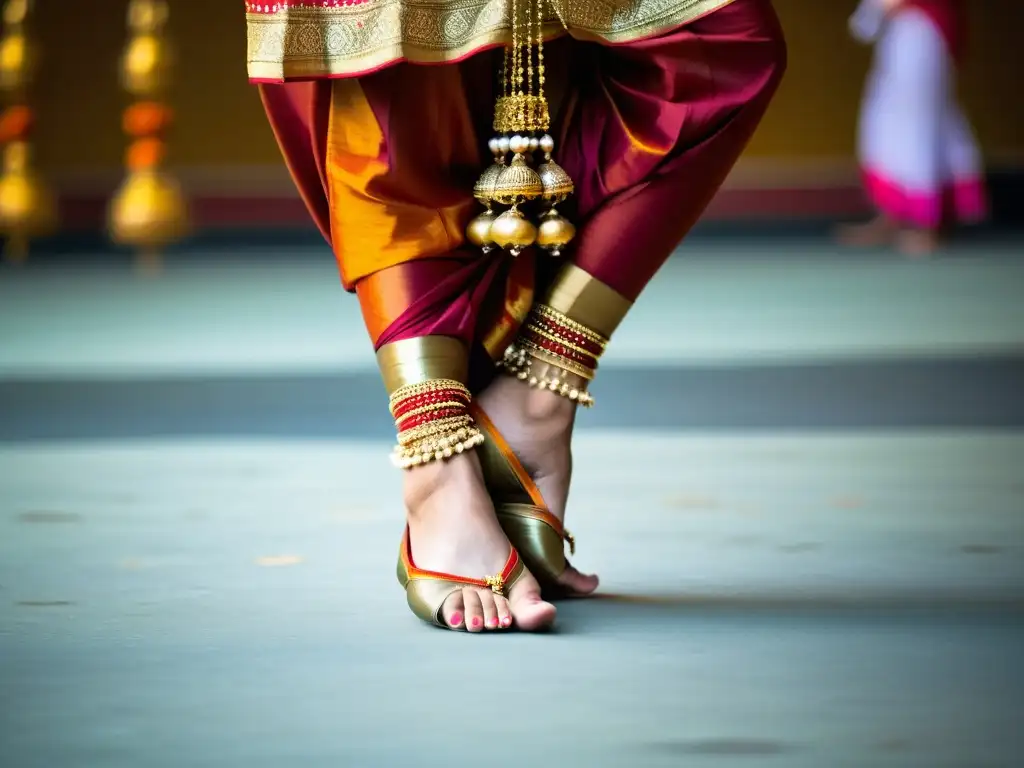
(543, 515)
(419, 573)
(516, 466)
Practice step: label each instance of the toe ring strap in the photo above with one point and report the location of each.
(497, 584)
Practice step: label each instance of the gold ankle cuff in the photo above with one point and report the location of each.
(422, 359)
(577, 294)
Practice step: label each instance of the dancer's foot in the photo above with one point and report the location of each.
(453, 529)
(877, 232)
(537, 425)
(918, 243)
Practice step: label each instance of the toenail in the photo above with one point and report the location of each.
(456, 618)
(492, 622)
(476, 621)
(507, 620)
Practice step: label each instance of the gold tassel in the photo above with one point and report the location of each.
(522, 121)
(149, 211)
(27, 209)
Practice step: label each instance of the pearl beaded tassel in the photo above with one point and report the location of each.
(520, 114)
(514, 183)
(405, 457)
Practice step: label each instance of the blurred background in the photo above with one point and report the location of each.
(803, 485)
(225, 156)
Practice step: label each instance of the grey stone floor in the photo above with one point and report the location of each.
(789, 591)
(833, 600)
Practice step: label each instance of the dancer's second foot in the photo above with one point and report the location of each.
(537, 425)
(453, 529)
(918, 243)
(877, 232)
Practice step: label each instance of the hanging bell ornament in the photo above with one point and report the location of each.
(513, 232)
(555, 232)
(518, 183)
(556, 182)
(478, 232)
(483, 190)
(521, 115)
(27, 209)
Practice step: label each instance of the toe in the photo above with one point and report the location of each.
(504, 611)
(490, 609)
(578, 583)
(474, 609)
(453, 611)
(529, 612)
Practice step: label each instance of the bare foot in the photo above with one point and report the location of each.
(878, 231)
(537, 425)
(918, 243)
(453, 529)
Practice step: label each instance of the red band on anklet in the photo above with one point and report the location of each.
(574, 338)
(404, 425)
(431, 398)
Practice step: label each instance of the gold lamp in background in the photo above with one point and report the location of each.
(27, 209)
(149, 211)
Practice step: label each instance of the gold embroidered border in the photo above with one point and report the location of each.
(307, 42)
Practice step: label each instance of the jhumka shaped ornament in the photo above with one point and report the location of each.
(511, 188)
(27, 208)
(149, 210)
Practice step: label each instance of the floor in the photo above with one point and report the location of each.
(802, 487)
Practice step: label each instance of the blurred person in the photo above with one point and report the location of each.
(487, 353)
(919, 160)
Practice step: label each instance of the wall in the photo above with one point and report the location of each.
(814, 114)
(220, 123)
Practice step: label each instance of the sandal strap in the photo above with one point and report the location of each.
(537, 509)
(497, 583)
(497, 441)
(542, 515)
(427, 591)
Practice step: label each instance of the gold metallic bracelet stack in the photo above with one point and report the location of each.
(556, 353)
(433, 422)
(521, 121)
(149, 211)
(27, 207)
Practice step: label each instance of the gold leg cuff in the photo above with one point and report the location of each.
(414, 361)
(429, 400)
(580, 296)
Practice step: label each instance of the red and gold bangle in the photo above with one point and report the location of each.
(418, 408)
(433, 429)
(569, 328)
(565, 363)
(427, 419)
(433, 422)
(427, 392)
(556, 353)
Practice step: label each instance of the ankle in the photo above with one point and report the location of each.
(426, 482)
(544, 406)
(532, 407)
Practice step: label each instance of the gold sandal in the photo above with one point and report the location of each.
(426, 591)
(537, 534)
